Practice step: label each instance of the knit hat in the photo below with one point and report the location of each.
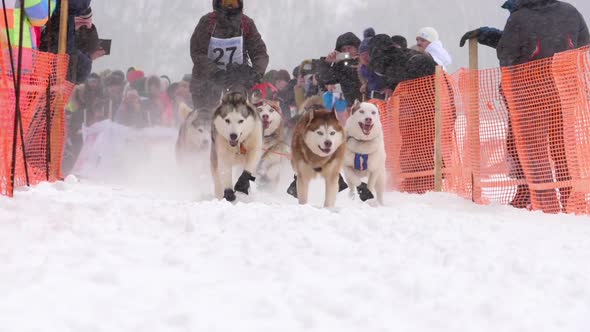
(400, 41)
(429, 34)
(347, 39)
(86, 15)
(135, 75)
(367, 36)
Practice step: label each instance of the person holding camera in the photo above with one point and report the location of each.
(223, 44)
(341, 67)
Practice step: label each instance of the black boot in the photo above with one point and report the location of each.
(243, 184)
(342, 186)
(229, 195)
(364, 193)
(292, 190)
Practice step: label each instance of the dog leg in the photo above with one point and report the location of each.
(252, 160)
(225, 176)
(303, 189)
(217, 184)
(352, 179)
(331, 191)
(380, 187)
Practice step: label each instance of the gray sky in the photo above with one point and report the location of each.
(154, 35)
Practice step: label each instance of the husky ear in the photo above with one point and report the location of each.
(311, 116)
(333, 115)
(356, 106)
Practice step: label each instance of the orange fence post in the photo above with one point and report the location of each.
(438, 157)
(474, 121)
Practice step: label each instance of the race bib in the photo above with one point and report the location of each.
(225, 51)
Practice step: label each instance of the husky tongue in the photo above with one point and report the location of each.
(266, 124)
(366, 128)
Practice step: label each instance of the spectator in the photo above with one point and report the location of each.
(399, 41)
(131, 113)
(486, 35)
(428, 39)
(223, 44)
(165, 82)
(114, 90)
(79, 15)
(157, 105)
(371, 83)
(286, 94)
(80, 112)
(396, 65)
(539, 29)
(179, 95)
(341, 67)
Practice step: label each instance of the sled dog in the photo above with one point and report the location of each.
(274, 150)
(236, 136)
(193, 137)
(318, 148)
(365, 152)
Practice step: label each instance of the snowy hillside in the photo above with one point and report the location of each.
(85, 257)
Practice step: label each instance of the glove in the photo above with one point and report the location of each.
(243, 184)
(229, 195)
(364, 193)
(486, 36)
(293, 188)
(469, 35)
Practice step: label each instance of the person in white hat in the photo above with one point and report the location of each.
(428, 39)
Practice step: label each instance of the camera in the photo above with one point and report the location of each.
(310, 67)
(343, 57)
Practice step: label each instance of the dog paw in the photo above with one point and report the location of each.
(229, 195)
(364, 193)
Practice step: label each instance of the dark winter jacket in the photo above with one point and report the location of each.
(539, 29)
(226, 25)
(397, 65)
(80, 65)
(344, 73)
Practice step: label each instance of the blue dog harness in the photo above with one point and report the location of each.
(361, 162)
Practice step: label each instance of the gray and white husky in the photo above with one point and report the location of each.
(365, 152)
(236, 134)
(193, 138)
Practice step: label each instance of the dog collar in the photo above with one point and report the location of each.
(243, 149)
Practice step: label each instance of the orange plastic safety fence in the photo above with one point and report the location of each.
(518, 135)
(38, 71)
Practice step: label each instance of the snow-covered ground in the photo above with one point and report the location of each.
(87, 256)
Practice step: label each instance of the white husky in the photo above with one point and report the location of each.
(275, 150)
(236, 134)
(365, 152)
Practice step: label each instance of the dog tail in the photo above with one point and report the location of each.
(312, 104)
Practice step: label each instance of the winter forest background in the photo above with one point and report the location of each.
(155, 34)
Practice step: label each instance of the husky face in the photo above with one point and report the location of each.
(365, 122)
(235, 119)
(199, 135)
(235, 127)
(324, 135)
(271, 119)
